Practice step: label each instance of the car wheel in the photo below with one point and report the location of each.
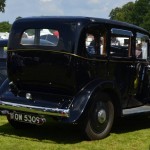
(100, 117)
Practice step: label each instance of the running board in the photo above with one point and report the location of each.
(136, 110)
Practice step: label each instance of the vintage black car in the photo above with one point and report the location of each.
(81, 70)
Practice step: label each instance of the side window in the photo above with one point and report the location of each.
(120, 45)
(45, 37)
(141, 46)
(95, 41)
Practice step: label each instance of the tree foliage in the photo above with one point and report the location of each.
(124, 13)
(137, 13)
(5, 26)
(2, 5)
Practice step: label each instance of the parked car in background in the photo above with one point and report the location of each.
(89, 74)
(3, 48)
(4, 82)
(3, 56)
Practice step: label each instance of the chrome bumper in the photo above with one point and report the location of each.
(9, 106)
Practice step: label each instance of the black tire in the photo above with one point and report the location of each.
(100, 117)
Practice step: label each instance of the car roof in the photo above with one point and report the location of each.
(78, 19)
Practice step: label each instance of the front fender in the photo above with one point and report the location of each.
(81, 100)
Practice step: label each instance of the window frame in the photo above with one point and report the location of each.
(119, 32)
(140, 35)
(99, 31)
(37, 39)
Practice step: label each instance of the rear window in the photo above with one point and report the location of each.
(55, 37)
(43, 37)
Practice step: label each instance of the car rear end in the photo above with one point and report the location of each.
(41, 73)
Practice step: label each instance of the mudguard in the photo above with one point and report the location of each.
(81, 100)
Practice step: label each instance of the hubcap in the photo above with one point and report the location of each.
(102, 116)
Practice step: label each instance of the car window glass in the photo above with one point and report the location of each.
(95, 41)
(121, 32)
(120, 45)
(141, 46)
(45, 37)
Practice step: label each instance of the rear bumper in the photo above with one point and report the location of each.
(7, 106)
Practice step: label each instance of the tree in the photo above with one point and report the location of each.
(123, 14)
(2, 5)
(141, 8)
(146, 22)
(137, 13)
(114, 13)
(5, 26)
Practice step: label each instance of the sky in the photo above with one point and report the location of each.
(90, 8)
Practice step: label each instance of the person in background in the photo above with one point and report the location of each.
(138, 51)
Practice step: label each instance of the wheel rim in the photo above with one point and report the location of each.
(100, 117)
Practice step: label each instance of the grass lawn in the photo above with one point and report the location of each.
(129, 134)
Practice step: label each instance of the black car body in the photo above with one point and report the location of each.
(76, 70)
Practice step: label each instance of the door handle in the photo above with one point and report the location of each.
(131, 66)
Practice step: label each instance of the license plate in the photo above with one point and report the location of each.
(27, 118)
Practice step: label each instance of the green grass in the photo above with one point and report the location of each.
(129, 134)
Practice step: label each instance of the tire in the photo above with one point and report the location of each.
(100, 117)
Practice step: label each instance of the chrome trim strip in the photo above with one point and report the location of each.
(34, 109)
(61, 52)
(137, 110)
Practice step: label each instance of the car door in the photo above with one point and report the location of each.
(142, 81)
(121, 64)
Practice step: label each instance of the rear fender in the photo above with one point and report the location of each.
(83, 97)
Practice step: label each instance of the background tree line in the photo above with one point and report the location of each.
(137, 13)
(4, 26)
(2, 5)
